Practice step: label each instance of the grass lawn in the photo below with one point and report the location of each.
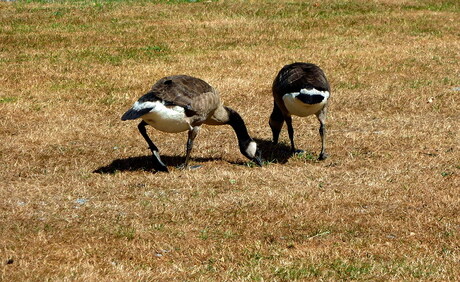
(79, 199)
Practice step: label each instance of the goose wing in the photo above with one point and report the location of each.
(193, 94)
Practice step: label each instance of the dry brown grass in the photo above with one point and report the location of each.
(79, 201)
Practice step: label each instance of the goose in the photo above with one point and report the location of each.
(300, 89)
(181, 103)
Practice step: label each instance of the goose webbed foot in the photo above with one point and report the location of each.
(322, 156)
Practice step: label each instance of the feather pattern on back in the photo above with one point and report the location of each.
(193, 94)
(297, 76)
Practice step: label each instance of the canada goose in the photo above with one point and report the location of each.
(179, 103)
(299, 89)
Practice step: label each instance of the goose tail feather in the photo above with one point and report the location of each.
(310, 99)
(135, 113)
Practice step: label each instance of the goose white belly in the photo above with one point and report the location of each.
(299, 108)
(170, 119)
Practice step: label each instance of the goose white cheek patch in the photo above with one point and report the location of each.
(251, 149)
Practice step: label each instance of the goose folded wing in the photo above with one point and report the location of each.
(183, 91)
(314, 77)
(300, 76)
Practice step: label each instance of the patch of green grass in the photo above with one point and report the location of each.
(100, 3)
(341, 269)
(8, 99)
(23, 28)
(446, 173)
(127, 232)
(115, 56)
(425, 27)
(146, 203)
(229, 234)
(157, 226)
(433, 5)
(180, 1)
(204, 234)
(37, 107)
(256, 257)
(150, 51)
(350, 270)
(351, 85)
(66, 85)
(296, 272)
(109, 100)
(305, 156)
(67, 27)
(420, 83)
(250, 164)
(421, 270)
(210, 265)
(347, 8)
(447, 251)
(406, 268)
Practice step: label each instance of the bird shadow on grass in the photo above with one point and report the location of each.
(144, 163)
(279, 153)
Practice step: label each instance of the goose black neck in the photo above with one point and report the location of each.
(237, 123)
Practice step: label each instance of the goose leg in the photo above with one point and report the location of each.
(291, 134)
(276, 122)
(191, 136)
(322, 132)
(157, 163)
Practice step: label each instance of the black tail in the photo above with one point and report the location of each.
(134, 114)
(310, 99)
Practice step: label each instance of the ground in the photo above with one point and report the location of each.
(80, 200)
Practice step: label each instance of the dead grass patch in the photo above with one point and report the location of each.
(79, 200)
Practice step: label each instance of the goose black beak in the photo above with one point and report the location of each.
(258, 160)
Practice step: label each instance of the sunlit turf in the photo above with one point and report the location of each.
(81, 201)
